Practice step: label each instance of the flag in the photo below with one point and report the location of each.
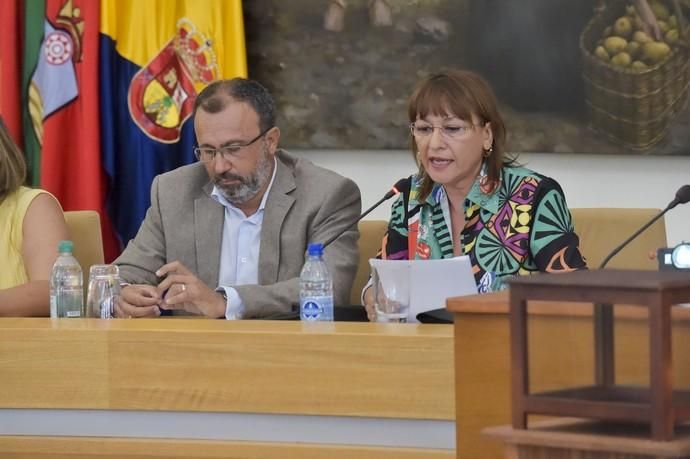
(156, 56)
(58, 74)
(10, 67)
(34, 17)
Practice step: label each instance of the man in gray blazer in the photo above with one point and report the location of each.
(226, 236)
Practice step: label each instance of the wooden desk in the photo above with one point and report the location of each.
(212, 388)
(560, 347)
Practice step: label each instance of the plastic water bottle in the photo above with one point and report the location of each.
(66, 284)
(315, 287)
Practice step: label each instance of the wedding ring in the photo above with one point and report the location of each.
(184, 287)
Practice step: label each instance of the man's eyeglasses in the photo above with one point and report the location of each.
(450, 131)
(227, 152)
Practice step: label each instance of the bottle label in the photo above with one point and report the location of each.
(69, 302)
(314, 308)
(53, 306)
(311, 310)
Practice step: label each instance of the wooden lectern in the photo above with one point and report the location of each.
(560, 355)
(658, 405)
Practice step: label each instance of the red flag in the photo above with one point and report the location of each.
(11, 21)
(70, 142)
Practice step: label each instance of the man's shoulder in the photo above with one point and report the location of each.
(308, 174)
(192, 176)
(188, 172)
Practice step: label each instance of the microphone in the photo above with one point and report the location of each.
(399, 187)
(682, 196)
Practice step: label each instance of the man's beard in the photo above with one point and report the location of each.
(246, 187)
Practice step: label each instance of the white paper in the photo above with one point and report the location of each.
(430, 281)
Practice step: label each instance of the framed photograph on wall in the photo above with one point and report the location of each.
(572, 76)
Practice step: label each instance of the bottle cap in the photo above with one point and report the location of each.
(65, 246)
(315, 249)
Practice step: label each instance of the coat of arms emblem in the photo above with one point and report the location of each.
(161, 95)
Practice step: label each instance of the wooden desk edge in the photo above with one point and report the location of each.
(191, 326)
(498, 303)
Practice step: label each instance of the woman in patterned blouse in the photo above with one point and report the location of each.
(469, 198)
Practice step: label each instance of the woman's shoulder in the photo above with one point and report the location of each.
(37, 196)
(409, 183)
(19, 200)
(519, 172)
(25, 194)
(44, 213)
(514, 175)
(407, 191)
(406, 186)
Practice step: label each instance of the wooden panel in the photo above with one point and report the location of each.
(561, 355)
(42, 367)
(83, 448)
(354, 369)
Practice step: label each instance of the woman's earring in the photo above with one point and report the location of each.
(485, 185)
(483, 173)
(488, 151)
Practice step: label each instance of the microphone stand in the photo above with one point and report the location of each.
(635, 234)
(682, 196)
(364, 214)
(395, 190)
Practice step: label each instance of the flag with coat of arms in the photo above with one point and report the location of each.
(106, 90)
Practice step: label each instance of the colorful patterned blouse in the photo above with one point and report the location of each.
(524, 226)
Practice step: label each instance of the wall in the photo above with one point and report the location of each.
(588, 181)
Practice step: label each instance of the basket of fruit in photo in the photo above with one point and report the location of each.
(635, 85)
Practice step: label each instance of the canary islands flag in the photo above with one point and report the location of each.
(155, 57)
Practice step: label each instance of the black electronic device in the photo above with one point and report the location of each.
(674, 258)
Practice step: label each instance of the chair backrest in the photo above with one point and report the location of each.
(371, 234)
(601, 230)
(85, 229)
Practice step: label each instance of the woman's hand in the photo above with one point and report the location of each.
(369, 304)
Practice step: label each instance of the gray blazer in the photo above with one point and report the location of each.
(305, 204)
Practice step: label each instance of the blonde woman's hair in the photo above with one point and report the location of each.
(12, 164)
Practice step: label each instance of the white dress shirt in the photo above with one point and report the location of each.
(239, 253)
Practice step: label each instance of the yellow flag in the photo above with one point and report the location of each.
(142, 28)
